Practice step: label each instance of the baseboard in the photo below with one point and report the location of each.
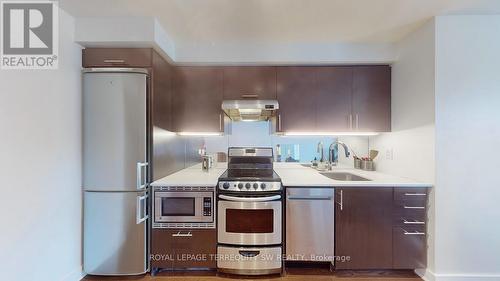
(428, 275)
(75, 275)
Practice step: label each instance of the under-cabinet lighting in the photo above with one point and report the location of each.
(200, 134)
(331, 133)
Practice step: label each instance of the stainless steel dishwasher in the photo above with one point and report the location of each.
(310, 224)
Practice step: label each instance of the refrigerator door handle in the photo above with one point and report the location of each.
(141, 212)
(141, 183)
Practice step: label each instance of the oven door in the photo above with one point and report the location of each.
(183, 206)
(249, 221)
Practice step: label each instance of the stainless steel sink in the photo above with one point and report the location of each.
(343, 176)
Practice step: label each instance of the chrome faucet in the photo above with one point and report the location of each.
(333, 157)
(319, 149)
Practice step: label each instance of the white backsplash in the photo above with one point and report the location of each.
(257, 134)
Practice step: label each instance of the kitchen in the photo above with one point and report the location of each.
(190, 152)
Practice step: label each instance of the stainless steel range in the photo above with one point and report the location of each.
(249, 215)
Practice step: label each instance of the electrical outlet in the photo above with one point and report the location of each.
(389, 154)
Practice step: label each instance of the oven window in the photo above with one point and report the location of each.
(249, 221)
(177, 206)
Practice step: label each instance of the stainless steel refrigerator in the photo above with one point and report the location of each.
(115, 171)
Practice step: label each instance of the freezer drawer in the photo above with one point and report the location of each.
(249, 260)
(310, 224)
(115, 233)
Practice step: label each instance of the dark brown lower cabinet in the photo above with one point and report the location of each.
(410, 228)
(381, 228)
(183, 248)
(409, 247)
(363, 227)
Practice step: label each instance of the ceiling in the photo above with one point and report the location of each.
(282, 21)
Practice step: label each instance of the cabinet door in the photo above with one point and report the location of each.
(250, 82)
(297, 99)
(112, 57)
(162, 93)
(183, 248)
(197, 99)
(162, 252)
(409, 247)
(333, 101)
(363, 227)
(371, 102)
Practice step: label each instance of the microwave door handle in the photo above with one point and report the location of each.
(250, 199)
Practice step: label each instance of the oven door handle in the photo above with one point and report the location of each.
(250, 199)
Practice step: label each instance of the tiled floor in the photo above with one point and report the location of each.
(293, 274)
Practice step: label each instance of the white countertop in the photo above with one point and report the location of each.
(193, 176)
(292, 175)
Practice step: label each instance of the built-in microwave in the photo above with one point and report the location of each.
(183, 207)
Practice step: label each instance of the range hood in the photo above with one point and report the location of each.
(250, 110)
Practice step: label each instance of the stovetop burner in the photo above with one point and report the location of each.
(250, 170)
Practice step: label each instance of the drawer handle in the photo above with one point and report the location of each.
(114, 61)
(249, 254)
(249, 96)
(179, 234)
(413, 232)
(412, 222)
(415, 194)
(414, 207)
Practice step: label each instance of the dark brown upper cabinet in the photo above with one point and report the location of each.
(297, 99)
(363, 227)
(333, 99)
(197, 99)
(161, 92)
(371, 99)
(249, 82)
(120, 57)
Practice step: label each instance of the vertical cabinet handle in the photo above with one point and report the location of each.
(357, 122)
(350, 121)
(141, 182)
(341, 203)
(141, 212)
(220, 123)
(279, 122)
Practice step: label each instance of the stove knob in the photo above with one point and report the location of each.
(225, 185)
(263, 186)
(247, 186)
(255, 186)
(240, 185)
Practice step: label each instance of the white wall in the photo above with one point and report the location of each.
(467, 148)
(412, 138)
(40, 171)
(408, 151)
